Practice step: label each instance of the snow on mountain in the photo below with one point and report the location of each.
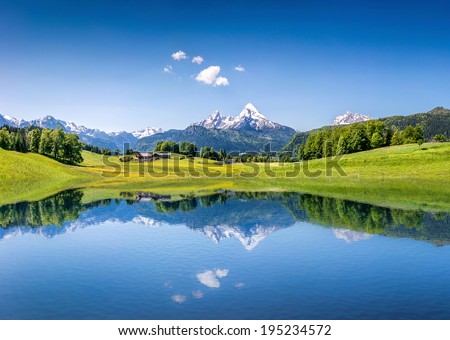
(350, 118)
(96, 137)
(215, 121)
(248, 239)
(249, 119)
(49, 122)
(150, 131)
(350, 236)
(12, 121)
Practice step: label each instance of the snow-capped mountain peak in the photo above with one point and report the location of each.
(149, 131)
(11, 119)
(49, 122)
(350, 118)
(249, 119)
(215, 121)
(251, 111)
(71, 126)
(216, 114)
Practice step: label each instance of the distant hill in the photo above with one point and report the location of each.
(436, 121)
(230, 140)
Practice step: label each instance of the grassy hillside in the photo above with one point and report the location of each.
(32, 176)
(401, 176)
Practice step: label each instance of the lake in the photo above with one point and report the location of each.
(231, 255)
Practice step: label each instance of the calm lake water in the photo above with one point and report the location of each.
(227, 256)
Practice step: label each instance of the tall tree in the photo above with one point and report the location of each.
(5, 139)
(377, 140)
(57, 140)
(72, 149)
(397, 138)
(34, 137)
(188, 149)
(18, 141)
(45, 145)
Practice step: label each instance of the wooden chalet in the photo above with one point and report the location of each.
(147, 156)
(143, 156)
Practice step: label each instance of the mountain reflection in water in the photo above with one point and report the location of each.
(246, 216)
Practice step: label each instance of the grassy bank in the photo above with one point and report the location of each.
(33, 176)
(401, 176)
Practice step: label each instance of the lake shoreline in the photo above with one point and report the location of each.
(403, 177)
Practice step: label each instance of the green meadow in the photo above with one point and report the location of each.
(403, 176)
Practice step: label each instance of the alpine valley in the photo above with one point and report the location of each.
(248, 131)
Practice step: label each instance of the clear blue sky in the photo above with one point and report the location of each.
(101, 63)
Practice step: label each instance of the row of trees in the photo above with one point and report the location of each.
(210, 153)
(13, 139)
(63, 147)
(101, 151)
(190, 150)
(407, 136)
(439, 138)
(341, 140)
(54, 210)
(185, 148)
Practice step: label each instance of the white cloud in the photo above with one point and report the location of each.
(168, 69)
(240, 68)
(198, 294)
(210, 278)
(221, 81)
(208, 75)
(179, 55)
(179, 298)
(222, 273)
(198, 60)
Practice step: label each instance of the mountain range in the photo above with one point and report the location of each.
(248, 131)
(250, 119)
(96, 137)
